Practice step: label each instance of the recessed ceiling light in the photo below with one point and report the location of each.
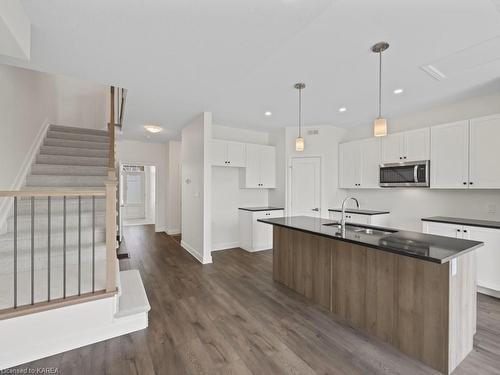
(342, 109)
(398, 91)
(153, 128)
(268, 113)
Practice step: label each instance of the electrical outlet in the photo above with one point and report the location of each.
(492, 208)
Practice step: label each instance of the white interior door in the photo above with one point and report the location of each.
(134, 193)
(306, 187)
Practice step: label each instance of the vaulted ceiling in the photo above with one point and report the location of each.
(240, 58)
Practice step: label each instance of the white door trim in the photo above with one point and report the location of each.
(157, 182)
(289, 182)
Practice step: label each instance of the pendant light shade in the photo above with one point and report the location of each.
(299, 144)
(380, 127)
(299, 141)
(380, 124)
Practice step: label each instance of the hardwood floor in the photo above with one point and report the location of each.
(231, 318)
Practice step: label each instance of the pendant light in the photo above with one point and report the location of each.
(299, 141)
(380, 124)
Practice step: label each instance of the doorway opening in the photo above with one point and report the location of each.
(137, 194)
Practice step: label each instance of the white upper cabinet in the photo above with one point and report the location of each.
(359, 163)
(450, 155)
(219, 154)
(370, 163)
(417, 145)
(260, 171)
(228, 154)
(392, 148)
(349, 164)
(484, 148)
(408, 146)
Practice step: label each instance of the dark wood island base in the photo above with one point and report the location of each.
(426, 310)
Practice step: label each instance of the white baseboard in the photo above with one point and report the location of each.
(199, 257)
(40, 335)
(173, 232)
(225, 246)
(19, 181)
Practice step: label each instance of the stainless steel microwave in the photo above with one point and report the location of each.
(405, 174)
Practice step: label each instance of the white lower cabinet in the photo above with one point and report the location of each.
(488, 256)
(254, 235)
(376, 220)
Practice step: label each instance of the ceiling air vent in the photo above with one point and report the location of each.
(433, 72)
(313, 132)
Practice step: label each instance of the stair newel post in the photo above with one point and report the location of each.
(111, 232)
(111, 201)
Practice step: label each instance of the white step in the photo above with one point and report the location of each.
(72, 129)
(56, 285)
(65, 181)
(76, 144)
(68, 170)
(77, 136)
(57, 205)
(57, 221)
(71, 160)
(133, 299)
(56, 239)
(70, 151)
(40, 257)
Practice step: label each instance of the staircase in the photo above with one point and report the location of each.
(60, 284)
(70, 158)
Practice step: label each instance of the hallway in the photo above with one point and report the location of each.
(230, 317)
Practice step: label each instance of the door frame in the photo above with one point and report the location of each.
(289, 182)
(145, 164)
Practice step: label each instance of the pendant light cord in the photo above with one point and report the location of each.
(380, 86)
(300, 110)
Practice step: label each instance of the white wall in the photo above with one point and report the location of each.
(174, 188)
(196, 187)
(141, 153)
(323, 145)
(227, 196)
(15, 30)
(409, 205)
(277, 197)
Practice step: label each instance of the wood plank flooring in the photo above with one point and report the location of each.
(231, 318)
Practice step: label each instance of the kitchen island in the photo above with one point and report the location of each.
(414, 291)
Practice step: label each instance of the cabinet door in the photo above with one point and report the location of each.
(349, 168)
(370, 163)
(441, 229)
(392, 148)
(417, 145)
(450, 155)
(358, 219)
(485, 153)
(262, 233)
(267, 166)
(236, 155)
(219, 153)
(488, 256)
(252, 170)
(335, 215)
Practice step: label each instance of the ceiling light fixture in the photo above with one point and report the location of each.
(342, 109)
(398, 91)
(380, 123)
(153, 128)
(299, 141)
(268, 113)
